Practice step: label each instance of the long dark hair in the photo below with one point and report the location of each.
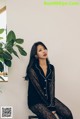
(33, 59)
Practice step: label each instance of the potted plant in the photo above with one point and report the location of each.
(7, 49)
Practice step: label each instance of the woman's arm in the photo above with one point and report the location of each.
(52, 90)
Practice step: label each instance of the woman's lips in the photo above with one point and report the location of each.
(45, 55)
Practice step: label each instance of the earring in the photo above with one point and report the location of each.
(36, 56)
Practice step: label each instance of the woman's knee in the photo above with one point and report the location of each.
(69, 114)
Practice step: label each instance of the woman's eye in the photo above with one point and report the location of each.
(40, 50)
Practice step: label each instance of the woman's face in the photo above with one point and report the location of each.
(42, 53)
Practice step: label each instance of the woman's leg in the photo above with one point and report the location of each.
(62, 110)
(42, 112)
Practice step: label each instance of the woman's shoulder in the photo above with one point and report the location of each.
(32, 70)
(52, 66)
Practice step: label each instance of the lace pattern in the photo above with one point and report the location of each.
(43, 112)
(41, 109)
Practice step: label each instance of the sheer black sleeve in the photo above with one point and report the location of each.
(52, 90)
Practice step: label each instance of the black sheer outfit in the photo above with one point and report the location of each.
(41, 94)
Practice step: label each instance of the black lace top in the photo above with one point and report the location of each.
(41, 88)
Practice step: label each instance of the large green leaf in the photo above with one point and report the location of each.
(21, 50)
(10, 43)
(1, 50)
(9, 48)
(15, 53)
(1, 67)
(7, 56)
(11, 35)
(1, 45)
(19, 40)
(1, 58)
(7, 62)
(1, 31)
(19, 47)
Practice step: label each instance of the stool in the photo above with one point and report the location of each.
(32, 117)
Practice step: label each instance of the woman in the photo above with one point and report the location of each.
(41, 90)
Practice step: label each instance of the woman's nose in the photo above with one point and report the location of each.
(44, 51)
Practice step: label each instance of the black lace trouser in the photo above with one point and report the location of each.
(44, 113)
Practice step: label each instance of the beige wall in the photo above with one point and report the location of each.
(59, 28)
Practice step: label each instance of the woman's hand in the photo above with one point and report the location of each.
(53, 112)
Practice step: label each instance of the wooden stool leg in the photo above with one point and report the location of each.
(32, 117)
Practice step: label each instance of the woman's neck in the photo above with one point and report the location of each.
(42, 63)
